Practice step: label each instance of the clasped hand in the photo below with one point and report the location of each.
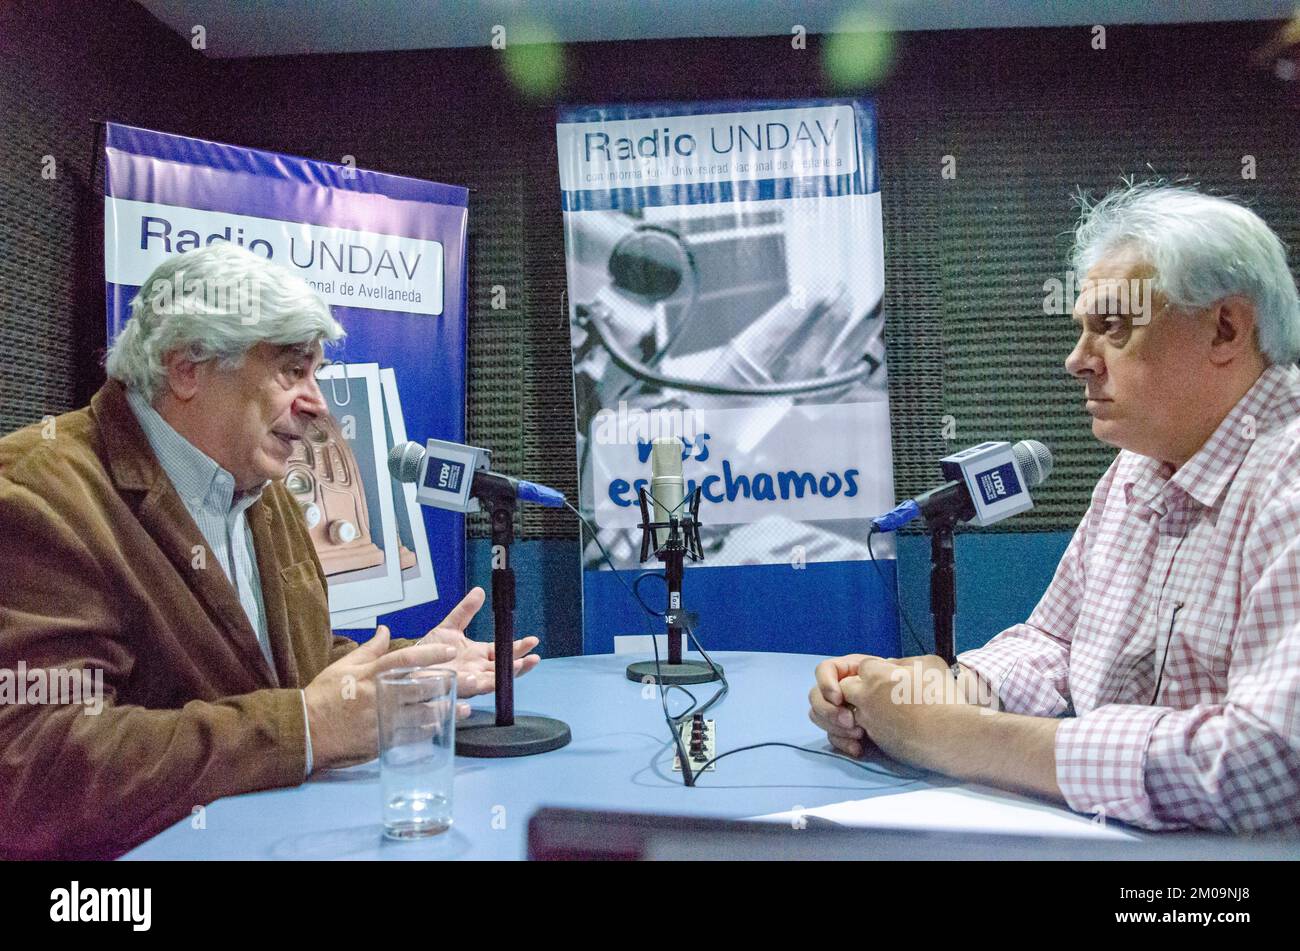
(860, 699)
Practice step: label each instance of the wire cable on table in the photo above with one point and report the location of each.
(866, 767)
(654, 642)
(689, 775)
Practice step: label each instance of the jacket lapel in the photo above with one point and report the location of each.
(133, 468)
(286, 664)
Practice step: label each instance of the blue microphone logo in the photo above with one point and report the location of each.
(444, 475)
(998, 483)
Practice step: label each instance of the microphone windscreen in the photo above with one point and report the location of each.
(1035, 461)
(404, 461)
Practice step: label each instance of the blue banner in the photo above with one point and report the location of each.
(725, 269)
(387, 253)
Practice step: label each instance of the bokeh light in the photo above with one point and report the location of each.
(534, 58)
(860, 52)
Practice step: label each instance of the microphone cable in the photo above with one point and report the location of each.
(689, 775)
(898, 603)
(672, 722)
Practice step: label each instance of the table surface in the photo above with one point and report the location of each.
(620, 758)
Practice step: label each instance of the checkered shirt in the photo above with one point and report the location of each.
(1169, 637)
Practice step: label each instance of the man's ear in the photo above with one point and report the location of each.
(182, 375)
(1234, 330)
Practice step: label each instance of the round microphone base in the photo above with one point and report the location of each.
(687, 672)
(480, 736)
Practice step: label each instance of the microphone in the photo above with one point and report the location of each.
(987, 483)
(450, 476)
(667, 488)
(679, 515)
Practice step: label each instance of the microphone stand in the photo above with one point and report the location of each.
(943, 585)
(505, 734)
(943, 508)
(683, 541)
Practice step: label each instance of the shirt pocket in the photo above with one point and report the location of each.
(1196, 669)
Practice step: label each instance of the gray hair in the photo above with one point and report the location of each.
(214, 303)
(1203, 249)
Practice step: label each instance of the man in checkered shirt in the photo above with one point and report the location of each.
(1158, 679)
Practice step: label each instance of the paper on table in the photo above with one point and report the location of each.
(962, 810)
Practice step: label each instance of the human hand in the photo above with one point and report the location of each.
(475, 661)
(341, 717)
(826, 704)
(899, 703)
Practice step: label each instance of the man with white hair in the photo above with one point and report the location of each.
(1158, 679)
(149, 538)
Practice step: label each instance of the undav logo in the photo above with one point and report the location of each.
(103, 904)
(998, 483)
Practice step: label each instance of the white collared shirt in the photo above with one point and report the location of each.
(208, 493)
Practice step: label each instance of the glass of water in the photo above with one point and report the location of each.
(417, 748)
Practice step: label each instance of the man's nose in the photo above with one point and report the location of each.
(1083, 360)
(312, 401)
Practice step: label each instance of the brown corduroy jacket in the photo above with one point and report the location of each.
(98, 572)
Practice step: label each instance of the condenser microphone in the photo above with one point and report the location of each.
(667, 487)
(676, 515)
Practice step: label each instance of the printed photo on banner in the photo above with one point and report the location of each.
(339, 476)
(725, 269)
(749, 325)
(418, 584)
